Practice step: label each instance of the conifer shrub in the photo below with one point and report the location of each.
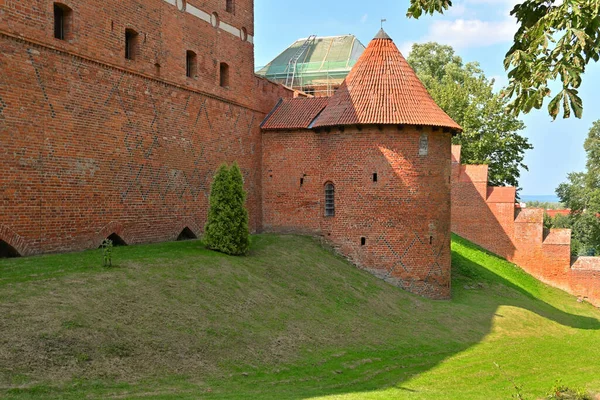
(226, 228)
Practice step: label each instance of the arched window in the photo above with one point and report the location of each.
(229, 6)
(329, 200)
(62, 21)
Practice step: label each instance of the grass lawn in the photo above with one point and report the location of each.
(289, 321)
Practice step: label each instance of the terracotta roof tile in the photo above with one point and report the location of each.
(383, 89)
(295, 113)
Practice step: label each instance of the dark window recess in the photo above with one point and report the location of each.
(62, 17)
(230, 6)
(363, 241)
(224, 75)
(116, 240)
(186, 234)
(190, 64)
(301, 181)
(329, 200)
(131, 39)
(7, 251)
(430, 239)
(375, 177)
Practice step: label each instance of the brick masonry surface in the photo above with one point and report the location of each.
(404, 217)
(487, 216)
(93, 144)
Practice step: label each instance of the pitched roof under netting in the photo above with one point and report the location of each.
(381, 89)
(325, 60)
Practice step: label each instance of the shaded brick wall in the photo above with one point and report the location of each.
(487, 216)
(404, 216)
(94, 144)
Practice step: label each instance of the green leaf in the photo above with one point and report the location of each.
(554, 107)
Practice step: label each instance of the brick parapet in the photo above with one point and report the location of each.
(492, 221)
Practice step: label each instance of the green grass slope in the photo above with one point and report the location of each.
(289, 321)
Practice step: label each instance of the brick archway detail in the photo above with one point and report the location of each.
(110, 228)
(190, 223)
(14, 240)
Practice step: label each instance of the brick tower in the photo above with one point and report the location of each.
(369, 170)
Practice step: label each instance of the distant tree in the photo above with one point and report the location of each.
(547, 221)
(581, 193)
(490, 135)
(546, 205)
(562, 222)
(226, 228)
(555, 41)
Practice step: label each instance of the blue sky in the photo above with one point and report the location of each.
(479, 30)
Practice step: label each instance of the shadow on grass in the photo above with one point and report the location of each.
(424, 333)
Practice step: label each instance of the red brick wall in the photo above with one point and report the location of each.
(487, 216)
(397, 215)
(94, 144)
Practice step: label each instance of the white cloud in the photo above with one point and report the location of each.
(462, 33)
(364, 18)
(457, 10)
(405, 48)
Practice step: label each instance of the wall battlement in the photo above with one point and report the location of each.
(488, 217)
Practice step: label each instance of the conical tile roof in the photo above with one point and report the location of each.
(383, 89)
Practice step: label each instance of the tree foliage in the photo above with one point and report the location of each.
(546, 205)
(581, 193)
(226, 228)
(555, 41)
(490, 135)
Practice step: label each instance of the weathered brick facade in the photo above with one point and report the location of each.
(487, 216)
(94, 144)
(403, 217)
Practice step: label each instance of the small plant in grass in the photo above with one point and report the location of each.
(518, 388)
(226, 228)
(562, 392)
(107, 250)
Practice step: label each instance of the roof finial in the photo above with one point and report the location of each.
(382, 21)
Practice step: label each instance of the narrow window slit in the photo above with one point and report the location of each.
(62, 21)
(131, 39)
(224, 75)
(190, 64)
(329, 200)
